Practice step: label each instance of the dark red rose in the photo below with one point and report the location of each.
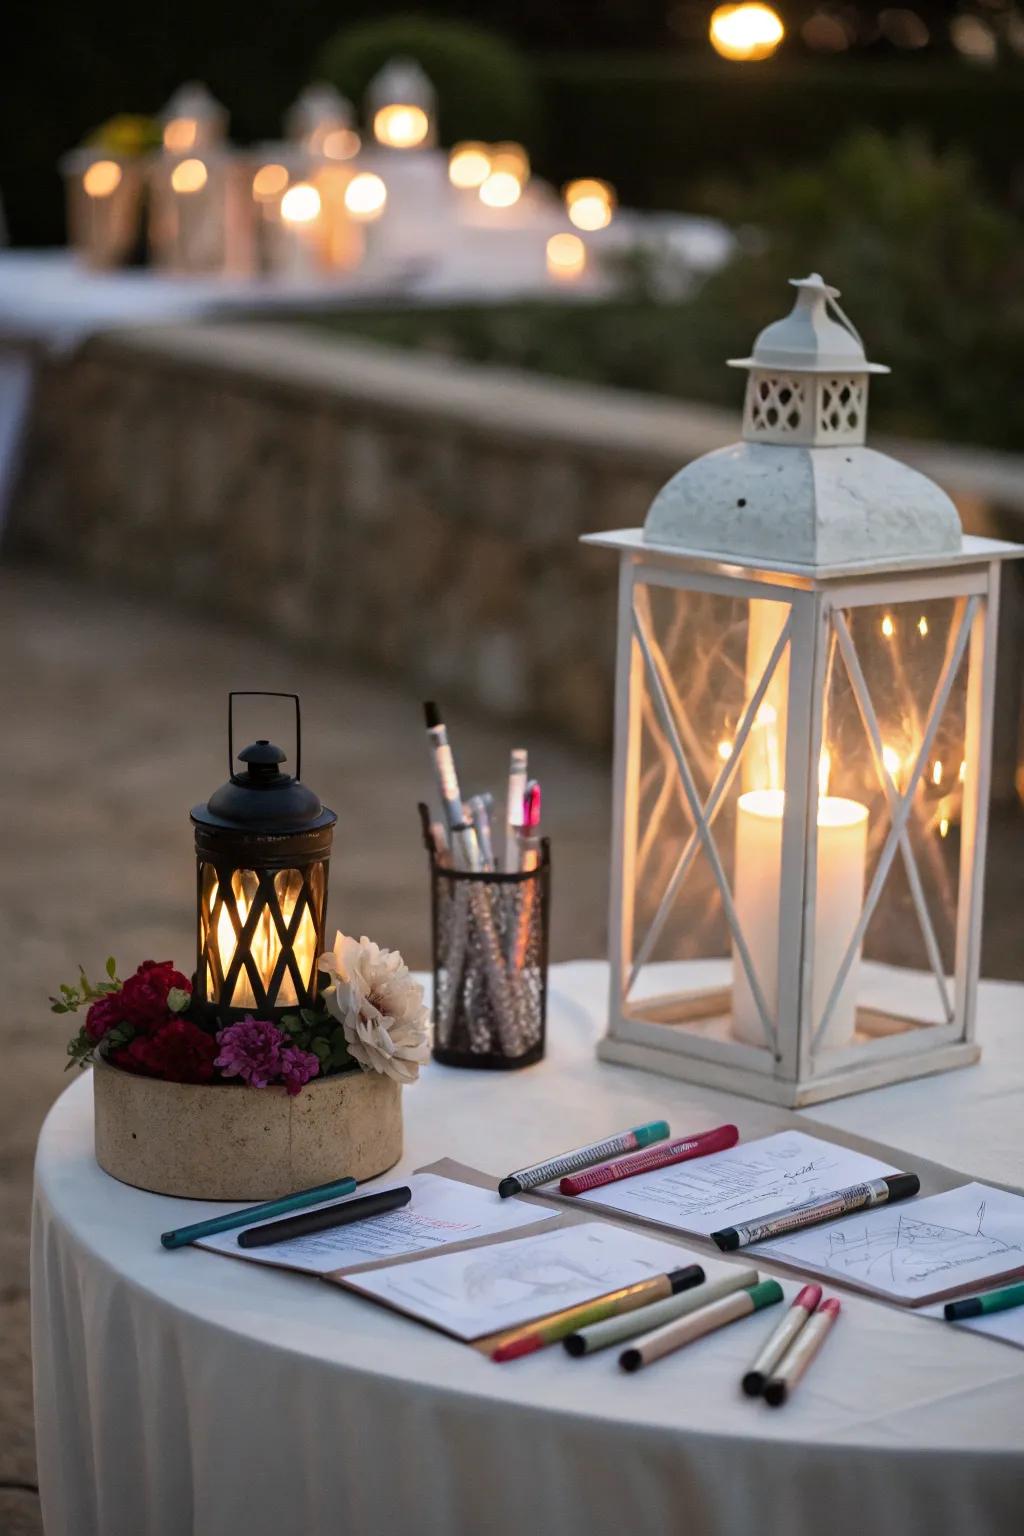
(144, 995)
(178, 1051)
(103, 1015)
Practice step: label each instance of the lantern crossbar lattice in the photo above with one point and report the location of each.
(900, 805)
(720, 788)
(654, 662)
(265, 902)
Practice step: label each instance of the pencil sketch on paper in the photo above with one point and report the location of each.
(918, 1248)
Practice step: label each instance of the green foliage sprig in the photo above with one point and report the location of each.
(313, 1029)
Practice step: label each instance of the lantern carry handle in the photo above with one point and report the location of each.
(263, 693)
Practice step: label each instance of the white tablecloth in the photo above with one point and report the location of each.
(183, 1393)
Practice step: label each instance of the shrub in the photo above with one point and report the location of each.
(484, 85)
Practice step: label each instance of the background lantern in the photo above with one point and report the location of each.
(804, 699)
(200, 204)
(401, 106)
(263, 844)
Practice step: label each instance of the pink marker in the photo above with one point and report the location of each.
(780, 1339)
(679, 1151)
(801, 1352)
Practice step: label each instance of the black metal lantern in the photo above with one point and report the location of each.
(263, 845)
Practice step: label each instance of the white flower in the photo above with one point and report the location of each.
(379, 1006)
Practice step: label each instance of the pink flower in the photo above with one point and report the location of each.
(297, 1067)
(252, 1051)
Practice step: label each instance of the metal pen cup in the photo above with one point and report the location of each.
(490, 949)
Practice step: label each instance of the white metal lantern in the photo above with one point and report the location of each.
(401, 106)
(806, 655)
(321, 122)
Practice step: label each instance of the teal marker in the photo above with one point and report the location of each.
(977, 1306)
(182, 1236)
(583, 1157)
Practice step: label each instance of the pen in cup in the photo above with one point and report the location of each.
(514, 806)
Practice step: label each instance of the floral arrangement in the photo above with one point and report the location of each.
(371, 1017)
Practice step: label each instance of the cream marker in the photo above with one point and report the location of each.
(800, 1353)
(780, 1339)
(482, 823)
(514, 806)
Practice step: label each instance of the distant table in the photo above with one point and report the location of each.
(181, 1393)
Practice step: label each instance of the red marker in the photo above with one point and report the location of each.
(679, 1151)
(800, 1353)
(780, 1339)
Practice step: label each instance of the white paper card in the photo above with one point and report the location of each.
(916, 1249)
(478, 1292)
(750, 1180)
(441, 1212)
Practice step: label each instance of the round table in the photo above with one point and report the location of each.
(181, 1393)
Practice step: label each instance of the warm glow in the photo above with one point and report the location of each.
(189, 176)
(963, 771)
(922, 625)
(265, 944)
(937, 774)
(512, 158)
(566, 256)
(365, 196)
(469, 165)
(300, 204)
(832, 810)
(269, 182)
(725, 750)
(888, 627)
(892, 761)
(824, 770)
(749, 31)
(400, 125)
(944, 826)
(590, 203)
(101, 178)
(502, 190)
(340, 144)
(180, 134)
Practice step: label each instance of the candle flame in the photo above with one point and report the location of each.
(891, 761)
(944, 826)
(824, 771)
(888, 627)
(937, 774)
(725, 750)
(922, 625)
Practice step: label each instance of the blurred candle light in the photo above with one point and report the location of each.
(269, 182)
(366, 196)
(469, 165)
(180, 135)
(746, 32)
(341, 144)
(400, 125)
(590, 204)
(101, 178)
(888, 627)
(300, 204)
(501, 190)
(566, 257)
(922, 626)
(189, 176)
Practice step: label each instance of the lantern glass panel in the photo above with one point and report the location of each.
(278, 944)
(711, 695)
(894, 746)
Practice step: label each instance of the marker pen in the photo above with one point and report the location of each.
(548, 1330)
(514, 805)
(653, 1346)
(780, 1339)
(582, 1157)
(678, 1151)
(481, 815)
(859, 1197)
(451, 796)
(800, 1353)
(978, 1306)
(627, 1325)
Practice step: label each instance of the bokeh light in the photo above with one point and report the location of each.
(101, 178)
(365, 196)
(746, 32)
(180, 134)
(502, 189)
(590, 203)
(269, 182)
(566, 256)
(400, 125)
(189, 176)
(341, 144)
(300, 204)
(469, 165)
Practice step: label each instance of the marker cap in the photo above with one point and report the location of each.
(647, 1134)
(509, 1186)
(765, 1294)
(902, 1185)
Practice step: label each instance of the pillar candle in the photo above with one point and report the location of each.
(842, 852)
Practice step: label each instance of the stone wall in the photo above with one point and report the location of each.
(401, 512)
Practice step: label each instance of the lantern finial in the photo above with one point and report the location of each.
(815, 337)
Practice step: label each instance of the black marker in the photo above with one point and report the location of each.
(859, 1197)
(330, 1216)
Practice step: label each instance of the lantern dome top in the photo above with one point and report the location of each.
(262, 799)
(401, 80)
(318, 105)
(194, 100)
(815, 337)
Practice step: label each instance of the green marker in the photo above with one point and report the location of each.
(182, 1236)
(993, 1301)
(684, 1330)
(583, 1157)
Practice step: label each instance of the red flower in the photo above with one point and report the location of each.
(103, 1015)
(179, 1052)
(144, 995)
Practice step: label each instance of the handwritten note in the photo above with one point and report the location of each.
(475, 1293)
(916, 1250)
(441, 1212)
(748, 1181)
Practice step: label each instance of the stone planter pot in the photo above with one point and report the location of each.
(230, 1142)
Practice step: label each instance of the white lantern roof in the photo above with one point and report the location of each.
(195, 103)
(319, 106)
(801, 489)
(401, 81)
